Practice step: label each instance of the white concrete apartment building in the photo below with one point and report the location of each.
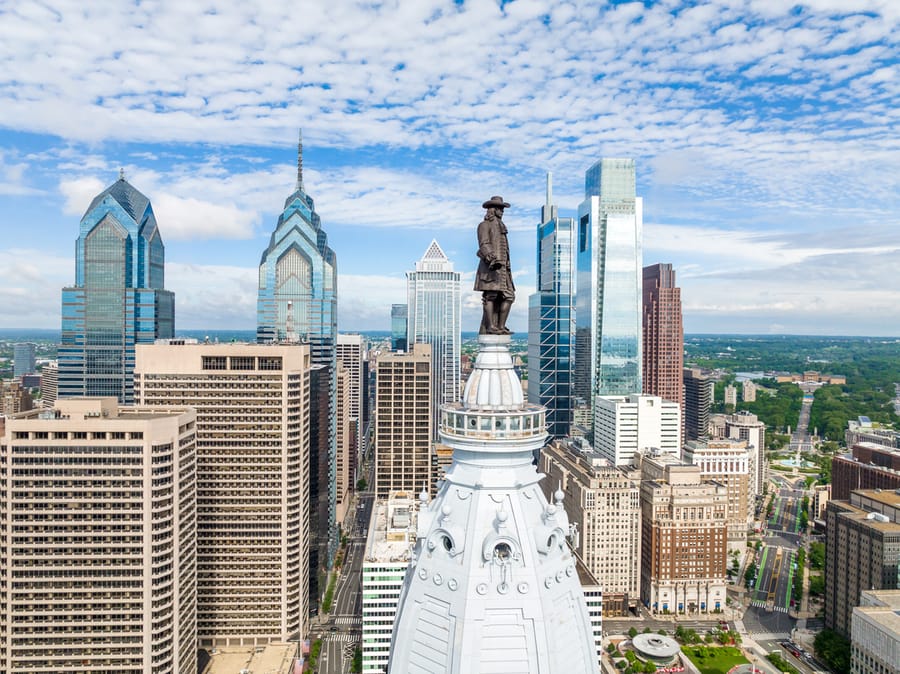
(746, 426)
(98, 539)
(625, 425)
(392, 534)
(252, 481)
(344, 438)
(727, 462)
(604, 504)
(351, 351)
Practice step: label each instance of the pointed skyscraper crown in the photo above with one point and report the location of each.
(434, 259)
(299, 187)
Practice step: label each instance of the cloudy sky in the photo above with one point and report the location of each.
(766, 137)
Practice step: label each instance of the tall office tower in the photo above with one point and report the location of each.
(875, 633)
(698, 395)
(23, 359)
(14, 398)
(403, 390)
(862, 552)
(297, 301)
(49, 384)
(746, 426)
(252, 481)
(551, 320)
(118, 299)
(626, 425)
(433, 302)
(608, 298)
(663, 348)
(351, 349)
(399, 326)
(604, 504)
(391, 535)
(684, 538)
(98, 560)
(492, 585)
(727, 462)
(345, 437)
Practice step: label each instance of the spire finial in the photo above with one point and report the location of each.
(121, 173)
(549, 190)
(300, 159)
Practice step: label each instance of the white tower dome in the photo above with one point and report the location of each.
(492, 586)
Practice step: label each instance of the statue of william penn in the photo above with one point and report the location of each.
(494, 276)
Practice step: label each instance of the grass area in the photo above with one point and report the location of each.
(329, 593)
(714, 660)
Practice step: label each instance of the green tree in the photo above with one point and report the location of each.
(361, 484)
(816, 555)
(833, 649)
(750, 575)
(633, 632)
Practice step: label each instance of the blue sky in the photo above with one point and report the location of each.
(765, 134)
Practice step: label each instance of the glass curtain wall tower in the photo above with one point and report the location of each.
(434, 309)
(118, 299)
(297, 302)
(608, 330)
(551, 320)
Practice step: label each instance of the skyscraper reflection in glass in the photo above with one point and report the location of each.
(118, 299)
(609, 265)
(551, 319)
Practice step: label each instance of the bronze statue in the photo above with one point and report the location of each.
(494, 275)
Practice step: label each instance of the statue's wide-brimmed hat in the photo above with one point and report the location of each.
(495, 202)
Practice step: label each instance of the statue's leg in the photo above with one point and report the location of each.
(488, 318)
(503, 314)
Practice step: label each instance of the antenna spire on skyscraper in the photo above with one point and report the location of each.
(300, 159)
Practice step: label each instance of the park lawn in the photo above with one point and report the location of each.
(719, 660)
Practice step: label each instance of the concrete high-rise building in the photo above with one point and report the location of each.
(403, 435)
(14, 398)
(748, 391)
(698, 397)
(626, 425)
(875, 633)
(118, 299)
(731, 395)
(345, 437)
(433, 303)
(746, 426)
(551, 320)
(322, 509)
(49, 384)
(399, 326)
(23, 359)
(603, 502)
(663, 347)
(727, 462)
(253, 474)
(297, 302)
(389, 542)
(492, 585)
(608, 299)
(684, 538)
(98, 560)
(351, 350)
(862, 552)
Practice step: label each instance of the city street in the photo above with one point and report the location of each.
(342, 627)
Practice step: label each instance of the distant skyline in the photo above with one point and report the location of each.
(764, 137)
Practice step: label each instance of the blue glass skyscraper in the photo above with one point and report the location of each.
(551, 320)
(118, 299)
(608, 324)
(297, 302)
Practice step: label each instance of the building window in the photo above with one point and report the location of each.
(215, 363)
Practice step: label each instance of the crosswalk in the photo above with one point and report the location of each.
(348, 620)
(343, 636)
(761, 604)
